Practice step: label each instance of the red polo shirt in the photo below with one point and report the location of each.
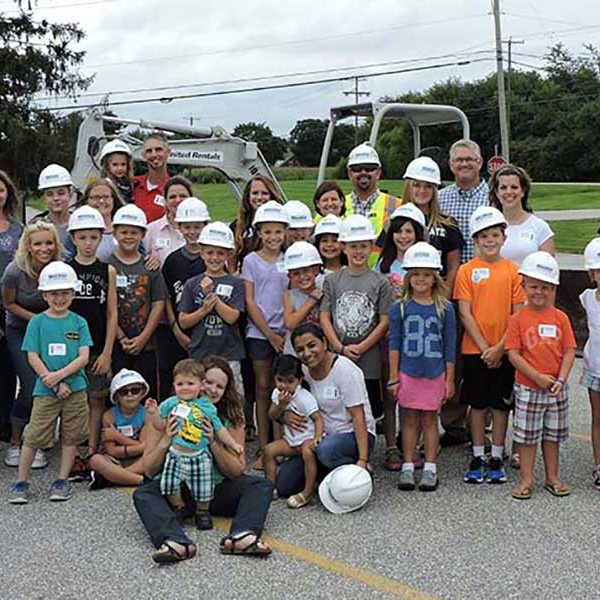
(152, 202)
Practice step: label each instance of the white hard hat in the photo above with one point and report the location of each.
(301, 254)
(409, 211)
(113, 147)
(124, 378)
(58, 275)
(422, 256)
(363, 154)
(356, 228)
(130, 215)
(328, 224)
(591, 254)
(54, 176)
(423, 169)
(217, 234)
(345, 489)
(484, 217)
(298, 215)
(192, 210)
(541, 265)
(270, 212)
(86, 217)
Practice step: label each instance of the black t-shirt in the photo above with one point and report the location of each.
(445, 238)
(180, 266)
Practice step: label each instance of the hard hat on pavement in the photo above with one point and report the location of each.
(113, 147)
(217, 234)
(591, 254)
(54, 176)
(345, 489)
(270, 212)
(130, 215)
(422, 256)
(192, 210)
(541, 265)
(58, 275)
(423, 169)
(124, 378)
(484, 217)
(363, 154)
(301, 254)
(409, 211)
(356, 228)
(298, 215)
(328, 224)
(86, 217)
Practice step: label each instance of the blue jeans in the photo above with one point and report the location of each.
(334, 451)
(21, 409)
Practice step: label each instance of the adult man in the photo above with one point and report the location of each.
(364, 171)
(148, 190)
(468, 191)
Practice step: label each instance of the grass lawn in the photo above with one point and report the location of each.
(573, 236)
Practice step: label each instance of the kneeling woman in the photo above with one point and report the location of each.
(339, 388)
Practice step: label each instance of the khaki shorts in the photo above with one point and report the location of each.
(73, 413)
(98, 385)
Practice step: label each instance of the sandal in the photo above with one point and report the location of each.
(557, 488)
(298, 501)
(257, 465)
(256, 548)
(522, 492)
(171, 555)
(250, 433)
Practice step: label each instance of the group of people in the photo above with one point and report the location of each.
(165, 341)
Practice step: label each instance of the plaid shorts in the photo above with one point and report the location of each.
(196, 471)
(539, 416)
(590, 381)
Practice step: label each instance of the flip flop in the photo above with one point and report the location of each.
(558, 489)
(171, 555)
(256, 548)
(298, 501)
(523, 492)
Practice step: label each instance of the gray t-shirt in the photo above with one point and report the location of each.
(297, 299)
(213, 335)
(9, 240)
(27, 294)
(356, 303)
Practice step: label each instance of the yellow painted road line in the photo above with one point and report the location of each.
(581, 436)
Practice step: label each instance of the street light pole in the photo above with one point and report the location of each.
(504, 143)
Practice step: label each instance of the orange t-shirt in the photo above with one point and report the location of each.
(541, 337)
(492, 288)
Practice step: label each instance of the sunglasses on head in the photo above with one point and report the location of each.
(132, 390)
(366, 168)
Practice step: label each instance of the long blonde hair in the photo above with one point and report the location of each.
(435, 218)
(23, 256)
(438, 291)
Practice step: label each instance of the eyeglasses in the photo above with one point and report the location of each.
(469, 160)
(365, 168)
(97, 198)
(133, 390)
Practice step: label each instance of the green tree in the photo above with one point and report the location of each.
(308, 135)
(272, 147)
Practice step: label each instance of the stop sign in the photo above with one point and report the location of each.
(495, 163)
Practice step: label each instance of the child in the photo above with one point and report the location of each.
(422, 355)
(122, 433)
(115, 159)
(301, 302)
(541, 346)
(488, 289)
(265, 281)
(289, 395)
(189, 459)
(96, 301)
(300, 223)
(590, 300)
(57, 343)
(327, 233)
(140, 297)
(355, 306)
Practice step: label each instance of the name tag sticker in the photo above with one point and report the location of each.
(330, 393)
(159, 200)
(162, 242)
(480, 274)
(126, 430)
(547, 331)
(527, 236)
(224, 289)
(121, 280)
(181, 410)
(280, 267)
(57, 349)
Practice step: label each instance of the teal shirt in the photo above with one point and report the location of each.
(57, 343)
(190, 434)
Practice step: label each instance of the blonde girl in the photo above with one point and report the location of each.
(117, 165)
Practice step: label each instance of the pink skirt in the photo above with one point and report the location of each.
(421, 393)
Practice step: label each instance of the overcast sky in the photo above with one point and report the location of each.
(133, 44)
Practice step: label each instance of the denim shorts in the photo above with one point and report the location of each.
(259, 349)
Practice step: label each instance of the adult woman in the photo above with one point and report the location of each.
(243, 497)
(422, 180)
(10, 232)
(329, 199)
(510, 187)
(339, 387)
(38, 246)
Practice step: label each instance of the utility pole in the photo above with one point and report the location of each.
(504, 145)
(357, 94)
(510, 43)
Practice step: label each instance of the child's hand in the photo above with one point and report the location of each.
(557, 386)
(134, 346)
(64, 391)
(317, 293)
(171, 426)
(109, 434)
(206, 285)
(210, 302)
(151, 406)
(393, 387)
(151, 262)
(546, 382)
(276, 341)
(492, 357)
(51, 379)
(352, 352)
(239, 450)
(284, 398)
(102, 365)
(450, 390)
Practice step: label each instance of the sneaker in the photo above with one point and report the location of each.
(97, 481)
(476, 471)
(496, 473)
(19, 492)
(39, 460)
(13, 454)
(597, 478)
(79, 470)
(203, 520)
(60, 490)
(406, 482)
(392, 460)
(429, 481)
